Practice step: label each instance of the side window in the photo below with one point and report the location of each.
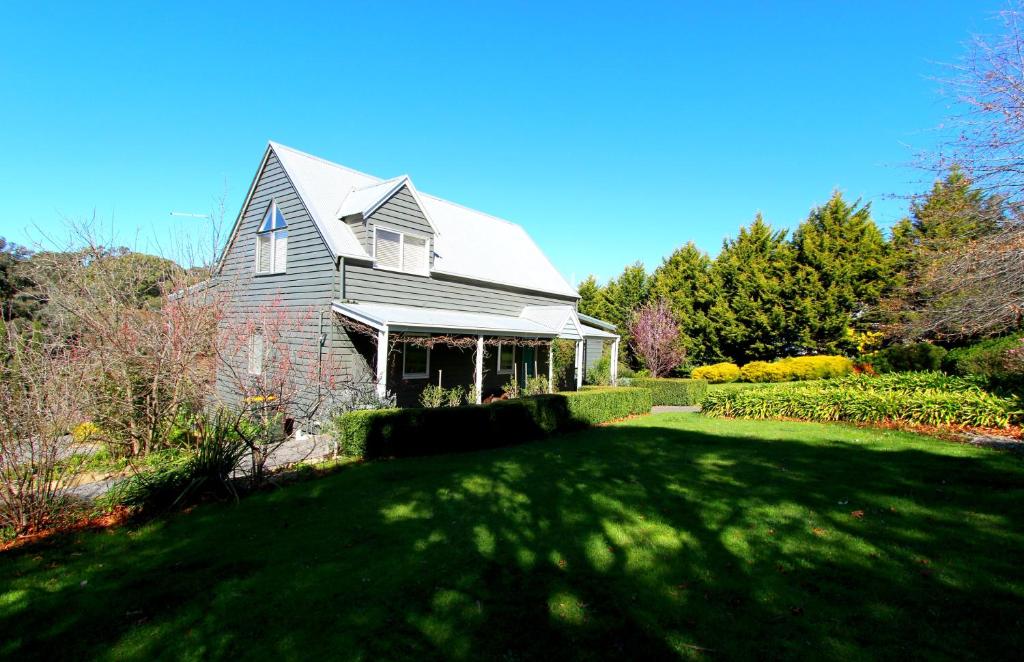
(256, 353)
(272, 242)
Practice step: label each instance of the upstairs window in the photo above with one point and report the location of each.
(400, 251)
(272, 242)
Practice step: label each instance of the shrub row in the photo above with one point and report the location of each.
(719, 373)
(784, 370)
(988, 359)
(673, 392)
(407, 432)
(916, 357)
(868, 399)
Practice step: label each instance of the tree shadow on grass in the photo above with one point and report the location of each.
(637, 540)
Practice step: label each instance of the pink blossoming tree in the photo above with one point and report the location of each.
(656, 338)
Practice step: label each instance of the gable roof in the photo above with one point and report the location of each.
(467, 243)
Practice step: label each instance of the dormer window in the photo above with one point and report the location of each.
(401, 251)
(272, 242)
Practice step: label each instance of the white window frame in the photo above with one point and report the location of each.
(414, 375)
(252, 353)
(401, 250)
(511, 368)
(272, 210)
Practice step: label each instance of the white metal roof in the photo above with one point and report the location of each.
(467, 243)
(591, 332)
(408, 318)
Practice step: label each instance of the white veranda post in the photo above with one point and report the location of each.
(479, 377)
(551, 367)
(579, 363)
(615, 362)
(382, 363)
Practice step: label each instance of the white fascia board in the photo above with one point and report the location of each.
(380, 325)
(245, 205)
(506, 283)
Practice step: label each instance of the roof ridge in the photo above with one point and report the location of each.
(475, 211)
(277, 145)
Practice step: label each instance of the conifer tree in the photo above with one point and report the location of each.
(753, 274)
(841, 268)
(685, 283)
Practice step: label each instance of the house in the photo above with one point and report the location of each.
(405, 289)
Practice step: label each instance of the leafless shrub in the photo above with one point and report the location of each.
(38, 407)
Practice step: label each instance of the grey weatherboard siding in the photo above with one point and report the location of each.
(592, 350)
(311, 282)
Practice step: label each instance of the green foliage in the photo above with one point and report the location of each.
(434, 395)
(537, 385)
(929, 400)
(719, 373)
(511, 389)
(174, 478)
(564, 364)
(753, 275)
(842, 269)
(685, 281)
(797, 368)
(600, 373)
(406, 432)
(917, 357)
(989, 359)
(673, 392)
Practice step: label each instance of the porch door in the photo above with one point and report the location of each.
(526, 367)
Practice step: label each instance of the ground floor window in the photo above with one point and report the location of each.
(506, 358)
(415, 361)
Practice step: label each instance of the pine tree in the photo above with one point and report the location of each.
(842, 268)
(753, 274)
(685, 282)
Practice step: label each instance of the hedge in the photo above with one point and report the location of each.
(676, 392)
(415, 431)
(797, 368)
(928, 399)
(719, 373)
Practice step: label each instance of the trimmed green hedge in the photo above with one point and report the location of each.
(925, 398)
(414, 431)
(673, 392)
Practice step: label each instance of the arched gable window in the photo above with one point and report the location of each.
(272, 242)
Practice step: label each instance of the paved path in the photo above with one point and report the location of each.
(673, 409)
(291, 452)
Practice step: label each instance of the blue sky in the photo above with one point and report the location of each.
(612, 132)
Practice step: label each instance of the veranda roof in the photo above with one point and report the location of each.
(382, 316)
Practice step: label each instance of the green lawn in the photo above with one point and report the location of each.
(666, 536)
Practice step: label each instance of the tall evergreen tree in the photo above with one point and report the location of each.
(842, 268)
(754, 276)
(622, 296)
(685, 282)
(591, 297)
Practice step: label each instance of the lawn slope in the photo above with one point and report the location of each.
(666, 536)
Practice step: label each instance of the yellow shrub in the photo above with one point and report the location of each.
(85, 432)
(797, 368)
(718, 373)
